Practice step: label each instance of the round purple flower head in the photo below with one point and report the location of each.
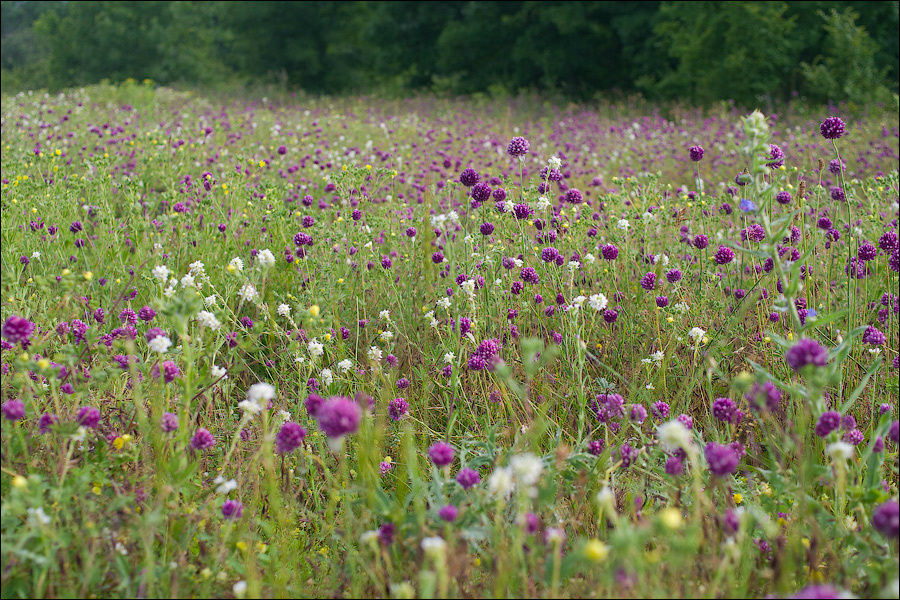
(518, 146)
(46, 421)
(724, 255)
(764, 396)
(313, 403)
(806, 352)
(828, 422)
(783, 197)
(13, 410)
(17, 330)
(886, 518)
(397, 408)
(722, 459)
(775, 157)
(648, 281)
(696, 153)
(468, 177)
(832, 128)
(873, 336)
(202, 440)
(574, 196)
(441, 454)
(700, 241)
(88, 416)
(481, 192)
(468, 478)
(339, 416)
(232, 510)
(610, 252)
(289, 437)
(168, 422)
(448, 513)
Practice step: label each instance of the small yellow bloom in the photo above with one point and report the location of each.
(596, 551)
(206, 573)
(88, 275)
(314, 310)
(738, 498)
(340, 280)
(671, 518)
(44, 363)
(20, 482)
(66, 272)
(96, 489)
(241, 545)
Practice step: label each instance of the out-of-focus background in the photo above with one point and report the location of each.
(699, 52)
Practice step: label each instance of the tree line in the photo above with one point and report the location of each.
(698, 52)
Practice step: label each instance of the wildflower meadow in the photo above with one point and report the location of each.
(289, 346)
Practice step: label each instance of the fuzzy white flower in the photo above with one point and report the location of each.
(209, 320)
(219, 372)
(673, 434)
(35, 254)
(187, 281)
(444, 303)
(261, 393)
(345, 365)
(239, 588)
(839, 451)
(527, 468)
(590, 258)
(265, 258)
(249, 407)
(169, 292)
(369, 537)
(578, 302)
(435, 547)
(327, 376)
(197, 268)
(161, 272)
(375, 354)
(224, 485)
(248, 293)
(236, 264)
(696, 334)
(554, 162)
(598, 302)
(385, 315)
(37, 516)
(543, 203)
(509, 206)
(284, 310)
(500, 483)
(449, 357)
(623, 224)
(573, 265)
(210, 301)
(160, 344)
(468, 286)
(315, 348)
(682, 308)
(386, 336)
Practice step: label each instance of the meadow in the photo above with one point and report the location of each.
(323, 347)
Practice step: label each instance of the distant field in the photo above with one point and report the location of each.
(473, 348)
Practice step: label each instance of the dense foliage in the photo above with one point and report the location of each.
(751, 52)
(285, 347)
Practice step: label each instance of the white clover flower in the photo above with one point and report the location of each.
(197, 268)
(160, 344)
(224, 485)
(840, 451)
(554, 162)
(518, 262)
(375, 354)
(345, 365)
(169, 292)
(673, 434)
(682, 308)
(218, 372)
(598, 302)
(35, 254)
(248, 293)
(161, 272)
(449, 357)
(590, 258)
(209, 320)
(187, 281)
(468, 286)
(261, 393)
(239, 588)
(657, 356)
(543, 203)
(573, 265)
(555, 535)
(369, 538)
(386, 336)
(265, 258)
(623, 224)
(578, 302)
(444, 303)
(527, 468)
(696, 334)
(37, 516)
(607, 499)
(509, 206)
(249, 407)
(500, 483)
(210, 301)
(285, 415)
(327, 376)
(435, 547)
(385, 315)
(284, 310)
(648, 216)
(315, 348)
(236, 264)
(650, 386)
